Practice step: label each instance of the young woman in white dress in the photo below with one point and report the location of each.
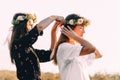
(73, 53)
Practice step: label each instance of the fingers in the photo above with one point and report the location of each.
(68, 32)
(58, 23)
(65, 31)
(60, 18)
(68, 29)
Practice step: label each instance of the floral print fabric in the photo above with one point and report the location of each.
(27, 58)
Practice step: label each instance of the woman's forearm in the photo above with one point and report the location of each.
(53, 39)
(87, 46)
(83, 42)
(47, 21)
(53, 34)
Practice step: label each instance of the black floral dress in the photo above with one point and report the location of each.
(27, 58)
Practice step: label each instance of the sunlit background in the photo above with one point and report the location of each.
(103, 32)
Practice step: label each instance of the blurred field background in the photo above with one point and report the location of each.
(11, 75)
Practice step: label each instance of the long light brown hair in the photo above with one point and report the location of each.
(63, 38)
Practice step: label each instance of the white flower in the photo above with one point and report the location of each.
(71, 22)
(80, 21)
(20, 18)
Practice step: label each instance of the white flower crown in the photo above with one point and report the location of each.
(81, 21)
(73, 22)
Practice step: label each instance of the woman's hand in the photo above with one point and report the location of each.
(68, 32)
(56, 24)
(60, 19)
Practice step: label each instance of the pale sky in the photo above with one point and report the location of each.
(103, 31)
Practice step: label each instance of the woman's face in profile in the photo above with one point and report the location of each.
(30, 24)
(79, 30)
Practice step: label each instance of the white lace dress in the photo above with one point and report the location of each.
(71, 65)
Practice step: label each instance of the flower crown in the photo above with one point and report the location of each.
(81, 21)
(22, 18)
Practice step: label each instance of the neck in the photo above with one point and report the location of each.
(71, 41)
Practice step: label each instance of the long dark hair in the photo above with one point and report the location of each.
(19, 30)
(63, 38)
